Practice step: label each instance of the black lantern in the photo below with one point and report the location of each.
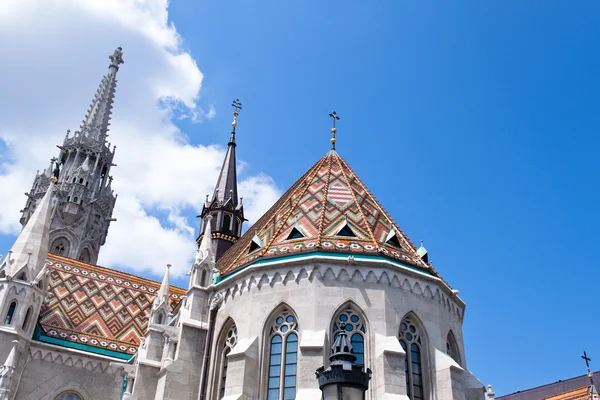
(343, 380)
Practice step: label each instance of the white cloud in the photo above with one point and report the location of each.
(56, 53)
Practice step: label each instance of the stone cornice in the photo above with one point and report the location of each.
(74, 358)
(429, 287)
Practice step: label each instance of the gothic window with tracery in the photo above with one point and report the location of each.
(410, 340)
(228, 343)
(60, 247)
(69, 396)
(355, 329)
(283, 357)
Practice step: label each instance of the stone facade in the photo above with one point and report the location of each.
(261, 310)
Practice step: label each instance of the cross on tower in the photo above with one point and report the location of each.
(237, 106)
(334, 117)
(587, 364)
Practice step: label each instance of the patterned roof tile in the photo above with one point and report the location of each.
(327, 199)
(97, 306)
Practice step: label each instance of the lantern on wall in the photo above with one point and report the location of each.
(343, 379)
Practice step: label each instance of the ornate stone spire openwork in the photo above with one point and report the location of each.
(85, 200)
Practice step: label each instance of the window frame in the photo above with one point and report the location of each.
(361, 327)
(418, 339)
(8, 314)
(284, 329)
(224, 345)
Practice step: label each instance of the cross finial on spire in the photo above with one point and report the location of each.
(237, 106)
(334, 118)
(587, 364)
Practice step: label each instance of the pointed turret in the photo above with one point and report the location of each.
(7, 370)
(225, 208)
(28, 254)
(422, 252)
(161, 307)
(204, 262)
(85, 199)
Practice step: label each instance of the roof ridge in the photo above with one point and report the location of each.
(293, 207)
(389, 218)
(70, 261)
(269, 214)
(324, 202)
(372, 236)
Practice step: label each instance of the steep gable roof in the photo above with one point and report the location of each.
(334, 211)
(97, 308)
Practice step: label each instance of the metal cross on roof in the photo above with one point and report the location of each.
(587, 364)
(587, 360)
(237, 106)
(334, 117)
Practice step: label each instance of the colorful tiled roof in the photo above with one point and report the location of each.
(576, 394)
(97, 307)
(327, 209)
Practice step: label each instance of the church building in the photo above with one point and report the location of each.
(262, 310)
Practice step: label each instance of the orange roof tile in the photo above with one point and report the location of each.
(310, 215)
(575, 394)
(96, 306)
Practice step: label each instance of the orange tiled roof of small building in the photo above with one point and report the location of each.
(310, 215)
(575, 394)
(98, 307)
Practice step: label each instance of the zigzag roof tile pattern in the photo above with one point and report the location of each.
(96, 306)
(327, 209)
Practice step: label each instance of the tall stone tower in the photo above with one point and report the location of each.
(226, 210)
(84, 196)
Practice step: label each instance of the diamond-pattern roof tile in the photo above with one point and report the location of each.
(334, 211)
(98, 307)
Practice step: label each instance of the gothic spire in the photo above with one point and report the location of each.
(96, 122)
(7, 370)
(226, 188)
(28, 254)
(227, 211)
(161, 307)
(162, 296)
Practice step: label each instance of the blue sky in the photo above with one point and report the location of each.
(474, 123)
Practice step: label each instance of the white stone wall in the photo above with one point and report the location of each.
(50, 370)
(315, 291)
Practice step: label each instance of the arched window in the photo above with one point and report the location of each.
(227, 221)
(355, 329)
(227, 343)
(410, 340)
(159, 319)
(452, 347)
(85, 256)
(10, 313)
(203, 278)
(70, 395)
(26, 320)
(283, 357)
(60, 246)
